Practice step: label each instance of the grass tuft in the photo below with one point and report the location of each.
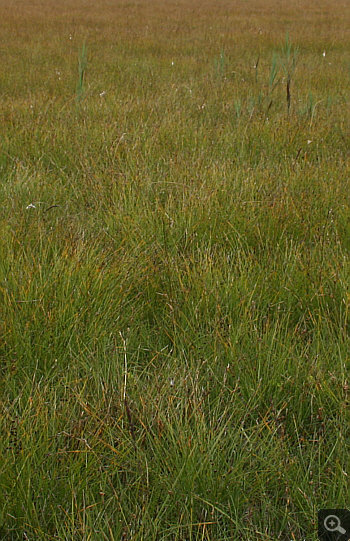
(174, 270)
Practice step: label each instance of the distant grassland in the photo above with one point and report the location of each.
(174, 269)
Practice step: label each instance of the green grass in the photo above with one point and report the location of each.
(174, 272)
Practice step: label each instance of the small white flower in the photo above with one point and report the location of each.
(70, 36)
(309, 141)
(172, 63)
(172, 382)
(324, 53)
(102, 93)
(31, 206)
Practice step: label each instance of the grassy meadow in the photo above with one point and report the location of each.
(174, 269)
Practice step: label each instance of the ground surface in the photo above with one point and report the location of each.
(174, 269)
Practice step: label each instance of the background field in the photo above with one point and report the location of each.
(174, 268)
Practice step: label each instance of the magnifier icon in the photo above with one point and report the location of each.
(332, 524)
